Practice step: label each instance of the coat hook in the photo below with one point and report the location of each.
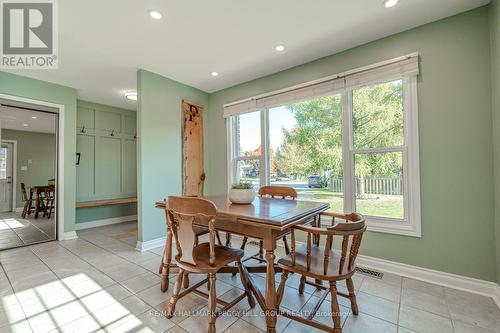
(135, 136)
(83, 129)
(113, 133)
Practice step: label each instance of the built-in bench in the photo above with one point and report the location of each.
(109, 202)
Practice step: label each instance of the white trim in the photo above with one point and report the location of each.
(460, 282)
(14, 172)
(104, 222)
(68, 236)
(60, 163)
(151, 244)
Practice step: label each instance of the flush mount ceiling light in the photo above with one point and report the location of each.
(33, 117)
(390, 3)
(279, 48)
(214, 73)
(155, 14)
(131, 96)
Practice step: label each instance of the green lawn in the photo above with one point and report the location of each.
(381, 205)
(373, 205)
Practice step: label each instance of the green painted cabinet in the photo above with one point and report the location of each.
(107, 146)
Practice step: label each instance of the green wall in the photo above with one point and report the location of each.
(456, 162)
(40, 148)
(494, 12)
(16, 85)
(159, 146)
(107, 170)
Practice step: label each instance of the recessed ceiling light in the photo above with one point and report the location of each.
(25, 125)
(390, 3)
(155, 14)
(33, 117)
(132, 96)
(280, 48)
(214, 73)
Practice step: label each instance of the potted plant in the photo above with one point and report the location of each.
(242, 193)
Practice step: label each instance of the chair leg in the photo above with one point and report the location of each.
(186, 281)
(302, 284)
(25, 209)
(175, 294)
(228, 239)
(261, 249)
(352, 296)
(337, 328)
(212, 302)
(244, 243)
(281, 288)
(287, 249)
(218, 238)
(246, 284)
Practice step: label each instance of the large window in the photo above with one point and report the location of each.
(355, 148)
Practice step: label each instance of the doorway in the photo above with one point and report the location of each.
(28, 173)
(6, 176)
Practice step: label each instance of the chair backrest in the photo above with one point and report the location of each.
(350, 230)
(278, 192)
(182, 212)
(23, 191)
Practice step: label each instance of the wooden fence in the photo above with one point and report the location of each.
(372, 185)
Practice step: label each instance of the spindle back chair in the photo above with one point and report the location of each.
(324, 263)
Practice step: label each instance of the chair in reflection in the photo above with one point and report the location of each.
(27, 207)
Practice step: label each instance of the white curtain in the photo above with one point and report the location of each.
(388, 70)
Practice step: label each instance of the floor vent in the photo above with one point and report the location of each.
(369, 272)
(254, 242)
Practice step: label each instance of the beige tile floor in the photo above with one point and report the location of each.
(16, 231)
(99, 283)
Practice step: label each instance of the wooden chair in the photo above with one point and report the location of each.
(49, 197)
(206, 258)
(167, 254)
(281, 192)
(27, 202)
(324, 264)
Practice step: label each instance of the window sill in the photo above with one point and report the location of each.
(388, 226)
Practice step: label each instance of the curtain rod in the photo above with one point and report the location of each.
(324, 79)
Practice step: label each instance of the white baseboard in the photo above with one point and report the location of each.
(476, 286)
(68, 235)
(151, 244)
(103, 222)
(472, 285)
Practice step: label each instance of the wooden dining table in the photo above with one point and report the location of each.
(267, 219)
(38, 191)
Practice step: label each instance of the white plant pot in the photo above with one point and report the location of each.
(241, 196)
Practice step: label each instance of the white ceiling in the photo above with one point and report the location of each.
(14, 118)
(102, 44)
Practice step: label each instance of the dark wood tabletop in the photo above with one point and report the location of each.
(277, 212)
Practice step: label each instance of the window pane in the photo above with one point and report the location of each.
(248, 171)
(379, 184)
(248, 134)
(378, 115)
(3, 163)
(305, 141)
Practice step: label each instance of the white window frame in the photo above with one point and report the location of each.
(411, 224)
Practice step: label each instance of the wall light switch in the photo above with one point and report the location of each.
(30, 161)
(24, 168)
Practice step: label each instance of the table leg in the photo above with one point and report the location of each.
(166, 260)
(271, 310)
(37, 203)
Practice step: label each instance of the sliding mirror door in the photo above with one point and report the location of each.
(28, 184)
